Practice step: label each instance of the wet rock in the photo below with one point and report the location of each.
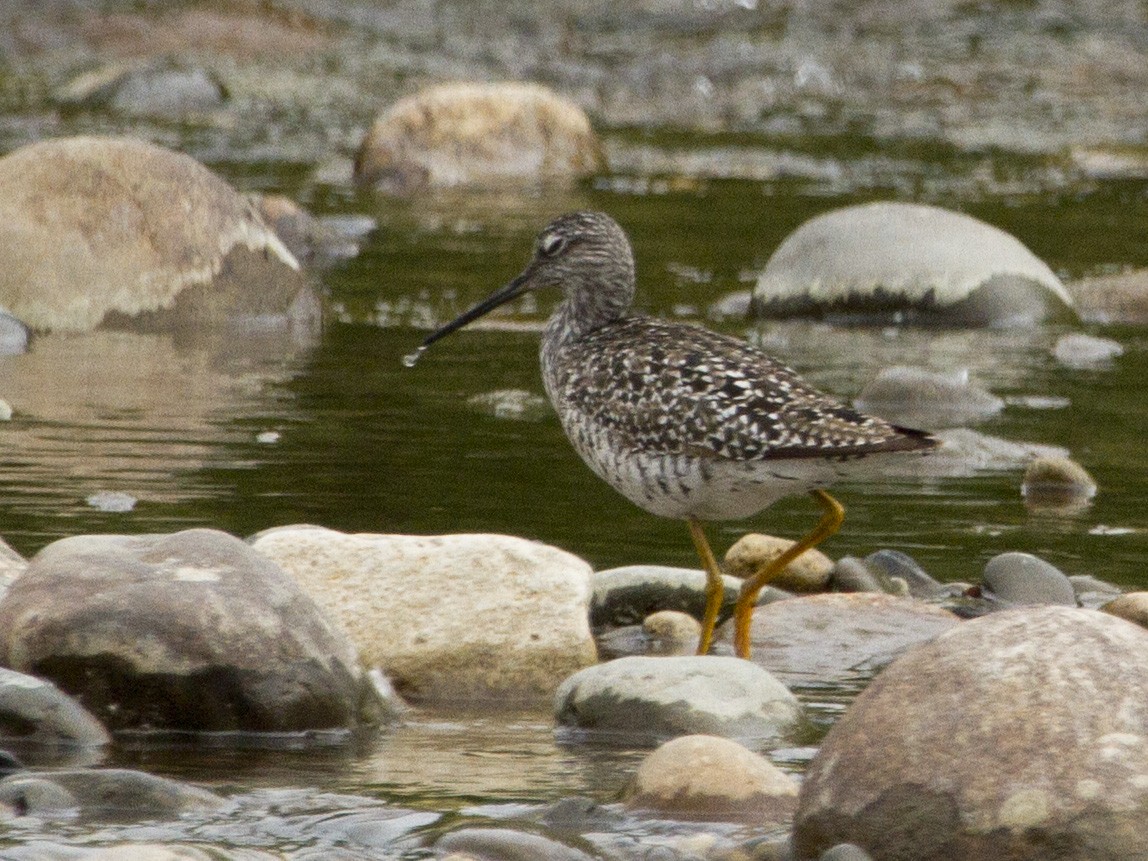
(32, 709)
(840, 637)
(309, 239)
(118, 231)
(1116, 299)
(809, 572)
(448, 618)
(627, 595)
(672, 630)
(160, 88)
(44, 851)
(920, 398)
(906, 262)
(1021, 578)
(478, 134)
(1092, 592)
(505, 844)
(845, 852)
(1085, 351)
(1056, 483)
(643, 700)
(710, 778)
(14, 335)
(102, 793)
(964, 451)
(1132, 607)
(192, 631)
(902, 567)
(1014, 739)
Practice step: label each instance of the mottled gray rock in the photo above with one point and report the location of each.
(645, 700)
(627, 595)
(1010, 736)
(449, 618)
(100, 793)
(505, 844)
(1078, 350)
(809, 572)
(161, 88)
(1021, 578)
(711, 778)
(840, 637)
(190, 631)
(905, 262)
(478, 134)
(920, 398)
(32, 709)
(118, 231)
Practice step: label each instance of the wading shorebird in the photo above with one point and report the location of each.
(684, 422)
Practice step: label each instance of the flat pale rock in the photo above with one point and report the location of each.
(452, 617)
(646, 700)
(1019, 735)
(119, 230)
(905, 262)
(478, 134)
(712, 778)
(840, 637)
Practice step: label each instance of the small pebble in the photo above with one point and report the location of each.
(268, 437)
(1022, 578)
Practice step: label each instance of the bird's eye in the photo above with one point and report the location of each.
(550, 244)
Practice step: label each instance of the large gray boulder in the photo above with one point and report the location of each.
(190, 631)
(906, 262)
(1019, 735)
(115, 230)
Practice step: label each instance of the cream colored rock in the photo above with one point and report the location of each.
(809, 572)
(94, 227)
(1132, 607)
(452, 617)
(478, 134)
(707, 777)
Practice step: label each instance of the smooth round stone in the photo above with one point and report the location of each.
(645, 700)
(449, 618)
(119, 231)
(627, 595)
(920, 398)
(1085, 351)
(840, 637)
(898, 566)
(1008, 735)
(160, 88)
(477, 134)
(104, 793)
(851, 574)
(505, 844)
(711, 778)
(904, 262)
(1021, 578)
(1056, 482)
(845, 852)
(33, 709)
(809, 572)
(672, 629)
(1117, 299)
(665, 632)
(1132, 606)
(193, 631)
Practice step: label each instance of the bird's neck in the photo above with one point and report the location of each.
(584, 310)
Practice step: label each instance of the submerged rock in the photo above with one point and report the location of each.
(118, 231)
(450, 618)
(1116, 299)
(1056, 483)
(478, 134)
(505, 844)
(920, 398)
(711, 778)
(33, 709)
(645, 700)
(1078, 350)
(103, 793)
(906, 262)
(186, 632)
(1010, 736)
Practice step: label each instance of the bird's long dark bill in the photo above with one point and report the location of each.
(510, 291)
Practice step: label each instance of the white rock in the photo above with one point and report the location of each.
(448, 617)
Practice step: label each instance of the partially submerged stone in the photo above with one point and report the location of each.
(921, 398)
(103, 793)
(1119, 298)
(1078, 350)
(646, 700)
(189, 632)
(449, 618)
(1020, 735)
(1055, 483)
(1021, 578)
(115, 230)
(705, 777)
(35, 710)
(478, 134)
(905, 262)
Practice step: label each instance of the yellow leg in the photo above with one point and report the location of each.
(715, 589)
(751, 587)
